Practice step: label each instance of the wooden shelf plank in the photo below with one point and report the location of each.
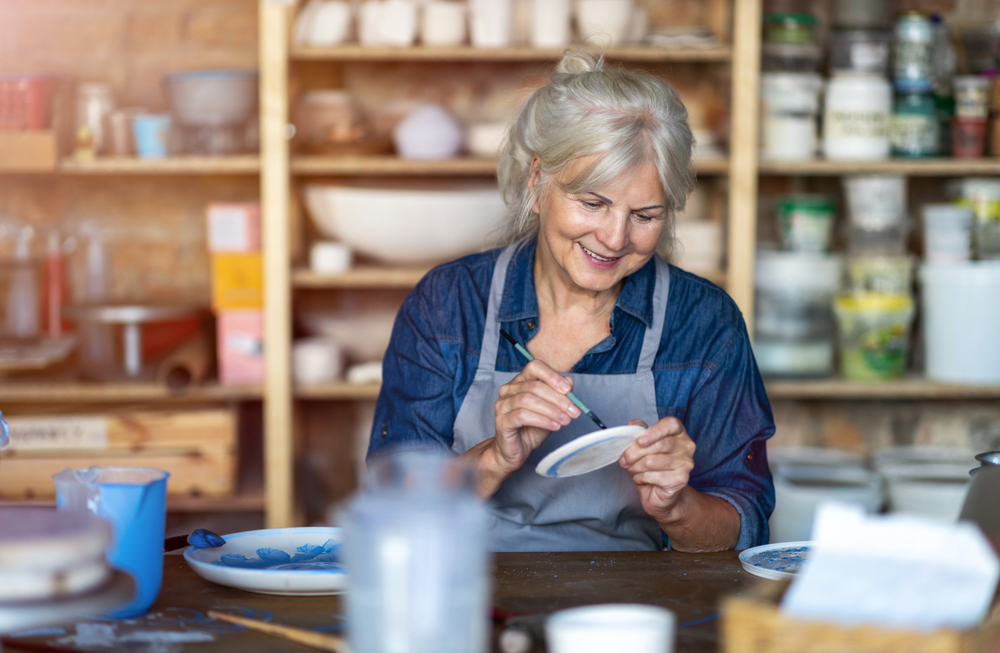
(469, 53)
(360, 277)
(250, 502)
(461, 166)
(113, 393)
(914, 167)
(175, 165)
(340, 391)
(912, 388)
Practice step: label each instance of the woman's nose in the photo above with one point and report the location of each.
(614, 231)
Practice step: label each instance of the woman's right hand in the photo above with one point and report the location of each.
(530, 407)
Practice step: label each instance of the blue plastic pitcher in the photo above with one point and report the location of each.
(134, 500)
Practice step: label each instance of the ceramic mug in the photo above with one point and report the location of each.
(330, 23)
(491, 22)
(152, 136)
(443, 23)
(550, 23)
(604, 22)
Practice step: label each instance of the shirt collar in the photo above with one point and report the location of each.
(520, 302)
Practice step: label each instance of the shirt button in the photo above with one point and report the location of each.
(385, 432)
(531, 325)
(749, 455)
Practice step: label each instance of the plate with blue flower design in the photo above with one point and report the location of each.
(780, 561)
(291, 561)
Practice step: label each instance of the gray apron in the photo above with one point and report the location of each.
(599, 511)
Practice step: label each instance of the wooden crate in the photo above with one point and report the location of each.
(197, 447)
(28, 151)
(754, 624)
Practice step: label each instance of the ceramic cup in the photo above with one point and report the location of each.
(604, 22)
(152, 136)
(329, 257)
(330, 23)
(550, 23)
(443, 23)
(317, 360)
(491, 22)
(613, 627)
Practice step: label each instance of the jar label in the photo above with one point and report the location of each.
(913, 60)
(985, 208)
(914, 134)
(971, 102)
(869, 56)
(856, 124)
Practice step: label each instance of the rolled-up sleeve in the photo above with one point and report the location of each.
(729, 417)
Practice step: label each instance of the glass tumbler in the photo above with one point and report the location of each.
(416, 553)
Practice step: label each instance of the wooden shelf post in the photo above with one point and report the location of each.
(743, 155)
(274, 22)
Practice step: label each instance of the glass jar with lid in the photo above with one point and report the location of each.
(914, 127)
(789, 27)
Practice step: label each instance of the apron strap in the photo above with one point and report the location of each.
(651, 341)
(491, 332)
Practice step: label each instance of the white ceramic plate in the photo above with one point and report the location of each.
(295, 561)
(589, 452)
(781, 561)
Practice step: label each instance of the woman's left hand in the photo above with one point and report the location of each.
(660, 463)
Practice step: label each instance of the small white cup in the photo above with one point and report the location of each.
(443, 23)
(398, 24)
(329, 257)
(329, 24)
(491, 22)
(947, 233)
(612, 627)
(604, 22)
(316, 360)
(550, 23)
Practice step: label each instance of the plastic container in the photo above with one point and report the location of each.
(947, 233)
(860, 51)
(789, 108)
(856, 117)
(982, 195)
(415, 549)
(800, 489)
(790, 57)
(912, 54)
(788, 27)
(806, 222)
(886, 275)
(972, 94)
(913, 130)
(874, 335)
(794, 324)
(968, 137)
(961, 321)
(134, 500)
(934, 490)
(878, 221)
(862, 14)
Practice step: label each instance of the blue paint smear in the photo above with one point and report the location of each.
(308, 557)
(788, 559)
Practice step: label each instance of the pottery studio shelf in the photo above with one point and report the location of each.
(117, 393)
(174, 165)
(459, 166)
(249, 502)
(912, 167)
(909, 388)
(470, 53)
(338, 391)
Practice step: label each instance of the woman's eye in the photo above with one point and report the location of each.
(642, 217)
(591, 205)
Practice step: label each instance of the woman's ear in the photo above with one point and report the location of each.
(534, 175)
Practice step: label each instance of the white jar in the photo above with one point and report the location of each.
(856, 117)
(789, 106)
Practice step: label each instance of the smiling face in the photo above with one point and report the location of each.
(591, 240)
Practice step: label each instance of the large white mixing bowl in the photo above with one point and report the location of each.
(408, 224)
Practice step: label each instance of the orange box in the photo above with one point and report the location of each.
(28, 151)
(237, 280)
(233, 227)
(240, 347)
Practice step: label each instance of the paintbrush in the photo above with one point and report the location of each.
(572, 397)
(201, 538)
(297, 635)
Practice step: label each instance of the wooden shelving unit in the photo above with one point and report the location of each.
(360, 277)
(175, 165)
(909, 167)
(249, 502)
(911, 388)
(468, 53)
(339, 391)
(465, 166)
(117, 393)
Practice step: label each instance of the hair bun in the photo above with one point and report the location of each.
(574, 63)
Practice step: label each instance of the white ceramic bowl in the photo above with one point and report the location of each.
(612, 627)
(799, 489)
(933, 490)
(409, 224)
(923, 454)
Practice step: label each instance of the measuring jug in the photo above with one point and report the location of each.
(134, 500)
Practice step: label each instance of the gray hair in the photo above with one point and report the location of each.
(628, 118)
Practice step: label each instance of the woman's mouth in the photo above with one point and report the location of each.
(598, 260)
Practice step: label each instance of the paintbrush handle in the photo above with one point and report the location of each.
(298, 635)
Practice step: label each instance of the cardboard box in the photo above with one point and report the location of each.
(241, 347)
(233, 227)
(197, 447)
(28, 151)
(237, 281)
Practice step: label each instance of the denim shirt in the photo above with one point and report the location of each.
(704, 373)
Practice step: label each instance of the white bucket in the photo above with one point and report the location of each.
(961, 321)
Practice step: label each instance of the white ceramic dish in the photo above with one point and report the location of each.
(292, 561)
(589, 452)
(776, 561)
(406, 224)
(628, 627)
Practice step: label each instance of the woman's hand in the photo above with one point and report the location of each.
(660, 463)
(530, 407)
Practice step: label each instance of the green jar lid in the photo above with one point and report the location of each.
(789, 17)
(806, 202)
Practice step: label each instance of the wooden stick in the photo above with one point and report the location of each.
(298, 635)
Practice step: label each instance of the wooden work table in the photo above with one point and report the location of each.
(689, 584)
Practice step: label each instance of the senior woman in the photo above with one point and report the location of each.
(593, 170)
